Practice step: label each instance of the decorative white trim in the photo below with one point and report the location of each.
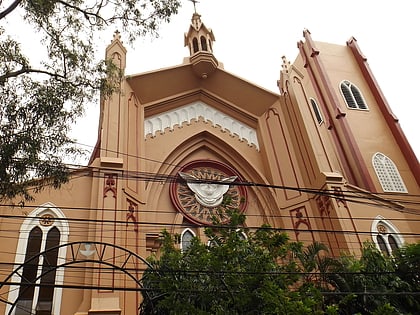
(182, 236)
(28, 224)
(391, 230)
(185, 114)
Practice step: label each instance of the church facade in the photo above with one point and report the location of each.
(324, 160)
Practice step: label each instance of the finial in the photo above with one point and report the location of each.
(286, 64)
(194, 2)
(117, 35)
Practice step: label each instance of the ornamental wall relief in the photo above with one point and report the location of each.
(205, 189)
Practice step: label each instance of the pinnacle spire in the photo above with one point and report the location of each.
(194, 3)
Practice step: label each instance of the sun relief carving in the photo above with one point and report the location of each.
(205, 190)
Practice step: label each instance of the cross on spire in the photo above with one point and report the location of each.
(194, 3)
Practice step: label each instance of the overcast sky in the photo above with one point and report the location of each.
(252, 36)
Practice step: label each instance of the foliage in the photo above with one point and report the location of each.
(259, 274)
(374, 283)
(407, 266)
(266, 273)
(40, 99)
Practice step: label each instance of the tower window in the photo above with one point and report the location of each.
(203, 43)
(352, 95)
(195, 44)
(386, 236)
(388, 174)
(316, 110)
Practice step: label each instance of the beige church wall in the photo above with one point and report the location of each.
(322, 139)
(363, 215)
(203, 147)
(368, 126)
(73, 199)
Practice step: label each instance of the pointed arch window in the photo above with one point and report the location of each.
(195, 44)
(386, 236)
(41, 233)
(352, 95)
(388, 174)
(316, 110)
(186, 238)
(203, 43)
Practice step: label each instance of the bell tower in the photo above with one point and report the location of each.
(199, 40)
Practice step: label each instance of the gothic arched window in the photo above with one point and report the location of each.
(42, 232)
(316, 110)
(386, 236)
(186, 238)
(195, 44)
(388, 174)
(352, 95)
(203, 43)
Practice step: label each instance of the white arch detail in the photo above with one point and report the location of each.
(185, 231)
(391, 229)
(195, 110)
(30, 222)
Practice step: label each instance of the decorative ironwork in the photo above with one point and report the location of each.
(80, 253)
(381, 228)
(46, 220)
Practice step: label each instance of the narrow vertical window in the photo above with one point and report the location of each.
(382, 245)
(203, 43)
(29, 274)
(392, 243)
(46, 291)
(388, 175)
(186, 239)
(195, 44)
(317, 111)
(352, 95)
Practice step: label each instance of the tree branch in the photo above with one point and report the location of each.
(87, 14)
(28, 70)
(10, 9)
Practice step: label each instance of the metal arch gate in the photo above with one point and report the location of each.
(78, 255)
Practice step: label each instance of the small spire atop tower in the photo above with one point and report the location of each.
(199, 37)
(194, 3)
(199, 40)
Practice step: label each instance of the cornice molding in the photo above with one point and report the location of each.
(194, 111)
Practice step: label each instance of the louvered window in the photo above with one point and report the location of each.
(352, 95)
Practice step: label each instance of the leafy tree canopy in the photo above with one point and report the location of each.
(41, 99)
(233, 274)
(266, 273)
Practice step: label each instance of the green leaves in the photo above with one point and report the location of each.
(40, 98)
(266, 273)
(232, 275)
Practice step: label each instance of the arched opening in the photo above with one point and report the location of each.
(203, 43)
(81, 253)
(195, 44)
(186, 238)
